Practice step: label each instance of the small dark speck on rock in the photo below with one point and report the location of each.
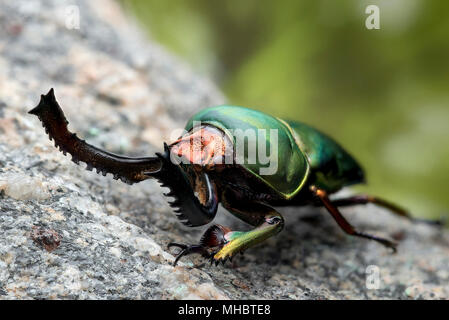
(14, 29)
(2, 107)
(240, 284)
(113, 101)
(47, 238)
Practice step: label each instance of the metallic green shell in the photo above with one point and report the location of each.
(292, 166)
(332, 167)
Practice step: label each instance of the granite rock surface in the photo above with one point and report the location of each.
(68, 233)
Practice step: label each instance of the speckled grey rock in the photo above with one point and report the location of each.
(68, 233)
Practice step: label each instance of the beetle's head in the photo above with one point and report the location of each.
(195, 195)
(205, 147)
(185, 166)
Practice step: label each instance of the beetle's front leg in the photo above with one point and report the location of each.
(186, 250)
(211, 242)
(238, 241)
(268, 222)
(220, 243)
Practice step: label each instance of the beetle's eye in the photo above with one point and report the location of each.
(274, 220)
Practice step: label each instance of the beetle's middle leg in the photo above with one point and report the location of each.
(220, 243)
(343, 223)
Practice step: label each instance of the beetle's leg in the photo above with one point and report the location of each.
(211, 241)
(343, 223)
(364, 199)
(186, 250)
(238, 241)
(268, 222)
(220, 243)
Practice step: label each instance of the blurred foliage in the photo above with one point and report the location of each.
(383, 94)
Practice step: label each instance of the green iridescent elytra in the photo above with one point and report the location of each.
(302, 150)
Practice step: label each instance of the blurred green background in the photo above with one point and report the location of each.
(383, 94)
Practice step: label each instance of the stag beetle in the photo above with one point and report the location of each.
(203, 168)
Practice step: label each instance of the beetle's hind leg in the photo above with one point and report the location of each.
(365, 199)
(343, 223)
